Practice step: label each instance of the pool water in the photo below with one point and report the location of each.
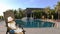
(34, 23)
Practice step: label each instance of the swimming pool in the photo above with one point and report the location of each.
(36, 23)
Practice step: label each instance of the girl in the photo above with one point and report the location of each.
(13, 27)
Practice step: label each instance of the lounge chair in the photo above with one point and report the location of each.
(6, 15)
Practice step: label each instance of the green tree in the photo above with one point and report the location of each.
(20, 13)
(48, 12)
(57, 9)
(37, 13)
(52, 13)
(1, 17)
(15, 13)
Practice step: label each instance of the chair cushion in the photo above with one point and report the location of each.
(11, 31)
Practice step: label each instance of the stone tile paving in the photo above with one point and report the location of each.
(51, 30)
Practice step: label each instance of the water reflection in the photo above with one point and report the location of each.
(29, 23)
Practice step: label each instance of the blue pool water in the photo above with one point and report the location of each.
(34, 23)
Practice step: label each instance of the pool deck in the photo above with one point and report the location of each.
(52, 30)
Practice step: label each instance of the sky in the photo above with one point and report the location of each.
(15, 4)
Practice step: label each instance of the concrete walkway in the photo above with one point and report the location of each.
(2, 27)
(51, 30)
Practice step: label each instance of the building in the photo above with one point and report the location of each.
(29, 11)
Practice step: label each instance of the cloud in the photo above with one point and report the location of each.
(4, 7)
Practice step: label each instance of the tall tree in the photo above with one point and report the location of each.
(48, 12)
(21, 13)
(37, 13)
(57, 9)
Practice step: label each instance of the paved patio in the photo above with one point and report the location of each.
(51, 30)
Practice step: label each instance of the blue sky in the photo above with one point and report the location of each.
(15, 4)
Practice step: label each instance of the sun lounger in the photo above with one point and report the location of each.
(7, 14)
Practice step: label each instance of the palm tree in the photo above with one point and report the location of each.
(47, 11)
(52, 13)
(37, 13)
(57, 9)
